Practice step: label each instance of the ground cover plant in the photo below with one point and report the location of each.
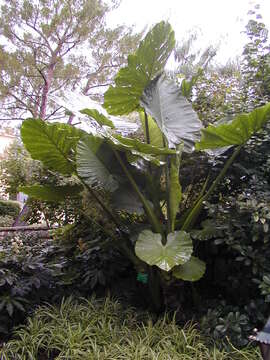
(142, 177)
(104, 329)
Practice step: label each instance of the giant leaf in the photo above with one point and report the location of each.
(177, 251)
(51, 143)
(126, 199)
(91, 165)
(192, 270)
(174, 115)
(138, 148)
(147, 62)
(51, 193)
(141, 147)
(237, 132)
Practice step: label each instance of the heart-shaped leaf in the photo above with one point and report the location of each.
(177, 250)
(192, 270)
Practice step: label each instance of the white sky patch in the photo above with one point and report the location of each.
(220, 22)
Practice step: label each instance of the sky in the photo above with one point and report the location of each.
(218, 22)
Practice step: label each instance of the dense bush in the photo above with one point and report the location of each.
(92, 329)
(33, 270)
(9, 208)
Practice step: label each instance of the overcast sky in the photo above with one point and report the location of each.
(219, 21)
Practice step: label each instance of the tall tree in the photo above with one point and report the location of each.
(50, 45)
(256, 61)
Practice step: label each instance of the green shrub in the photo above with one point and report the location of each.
(10, 208)
(33, 270)
(103, 329)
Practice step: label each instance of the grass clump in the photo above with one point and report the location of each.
(104, 330)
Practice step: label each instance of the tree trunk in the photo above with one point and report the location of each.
(44, 99)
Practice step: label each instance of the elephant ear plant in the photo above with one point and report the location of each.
(142, 176)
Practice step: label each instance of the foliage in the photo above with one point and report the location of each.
(9, 208)
(256, 61)
(105, 161)
(93, 329)
(19, 170)
(34, 269)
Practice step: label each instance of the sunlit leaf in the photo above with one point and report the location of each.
(147, 62)
(96, 115)
(52, 144)
(177, 250)
(155, 135)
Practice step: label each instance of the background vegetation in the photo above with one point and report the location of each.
(231, 234)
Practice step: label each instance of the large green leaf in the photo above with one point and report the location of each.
(177, 250)
(51, 143)
(138, 146)
(100, 118)
(147, 62)
(139, 149)
(237, 132)
(175, 191)
(91, 165)
(51, 193)
(126, 199)
(174, 115)
(192, 270)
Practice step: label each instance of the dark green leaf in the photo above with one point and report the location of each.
(51, 193)
(126, 199)
(91, 167)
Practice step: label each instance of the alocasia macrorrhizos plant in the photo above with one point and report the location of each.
(134, 171)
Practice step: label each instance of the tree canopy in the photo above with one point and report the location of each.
(53, 45)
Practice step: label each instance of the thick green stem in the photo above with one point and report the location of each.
(157, 227)
(193, 215)
(167, 179)
(154, 197)
(147, 133)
